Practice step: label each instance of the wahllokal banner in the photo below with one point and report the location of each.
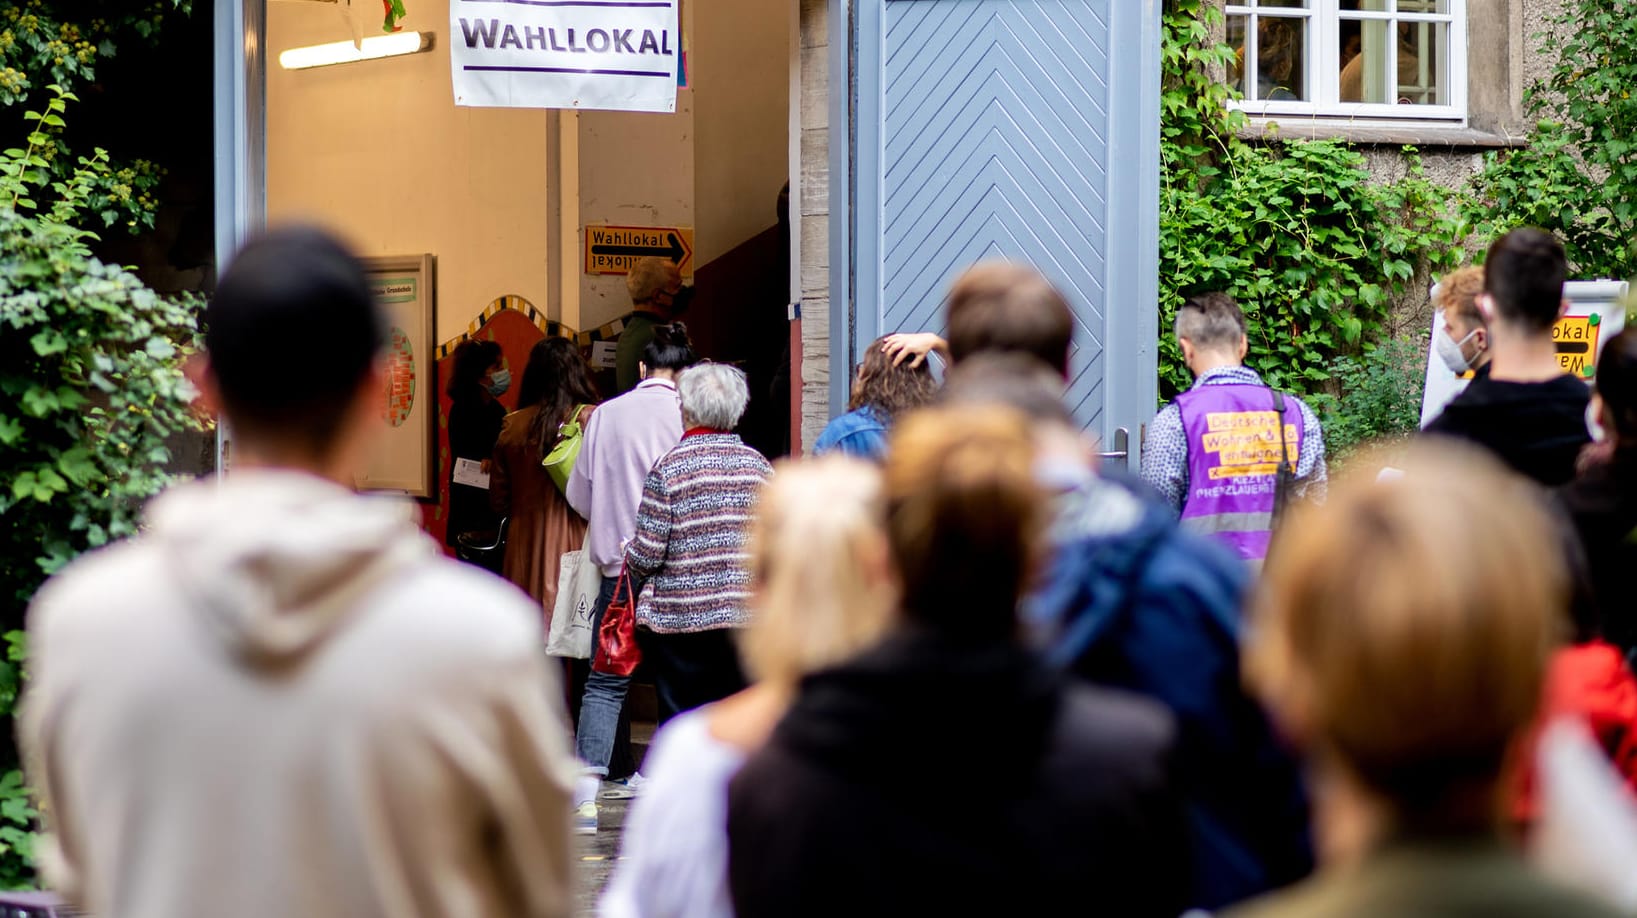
(606, 54)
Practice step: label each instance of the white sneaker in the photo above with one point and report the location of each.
(624, 788)
(585, 819)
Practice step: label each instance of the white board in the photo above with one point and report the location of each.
(1604, 300)
(619, 55)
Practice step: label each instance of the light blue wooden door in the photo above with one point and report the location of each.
(1017, 129)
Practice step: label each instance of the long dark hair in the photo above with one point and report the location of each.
(556, 379)
(890, 390)
(473, 358)
(1617, 384)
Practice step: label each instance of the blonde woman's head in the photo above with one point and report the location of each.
(823, 587)
(1402, 629)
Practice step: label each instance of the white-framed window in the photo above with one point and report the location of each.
(1350, 58)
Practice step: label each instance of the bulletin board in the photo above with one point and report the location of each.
(404, 457)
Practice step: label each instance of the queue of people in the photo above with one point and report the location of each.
(958, 667)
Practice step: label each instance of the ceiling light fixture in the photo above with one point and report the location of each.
(345, 52)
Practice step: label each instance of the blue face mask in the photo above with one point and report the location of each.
(499, 381)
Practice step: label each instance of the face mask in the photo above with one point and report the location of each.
(680, 300)
(1450, 352)
(499, 382)
(1593, 425)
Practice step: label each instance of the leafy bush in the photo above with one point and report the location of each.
(90, 375)
(1578, 176)
(17, 836)
(1312, 248)
(1380, 395)
(90, 388)
(52, 46)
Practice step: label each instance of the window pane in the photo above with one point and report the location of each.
(1421, 63)
(1236, 41)
(1281, 56)
(1379, 6)
(1300, 4)
(1364, 61)
(1420, 6)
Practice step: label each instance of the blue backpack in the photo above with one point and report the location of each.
(1155, 611)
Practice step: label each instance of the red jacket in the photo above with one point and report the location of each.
(1592, 683)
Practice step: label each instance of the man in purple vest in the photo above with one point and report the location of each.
(1215, 452)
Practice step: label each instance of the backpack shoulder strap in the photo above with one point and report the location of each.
(1111, 593)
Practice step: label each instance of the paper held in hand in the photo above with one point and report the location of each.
(470, 472)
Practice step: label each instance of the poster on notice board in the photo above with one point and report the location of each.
(402, 457)
(615, 55)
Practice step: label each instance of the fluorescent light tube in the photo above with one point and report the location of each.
(345, 52)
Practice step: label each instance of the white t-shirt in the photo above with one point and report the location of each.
(675, 853)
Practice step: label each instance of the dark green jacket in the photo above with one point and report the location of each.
(639, 330)
(1436, 879)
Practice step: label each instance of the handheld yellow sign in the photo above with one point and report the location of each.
(1576, 340)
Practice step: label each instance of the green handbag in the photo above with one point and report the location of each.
(559, 462)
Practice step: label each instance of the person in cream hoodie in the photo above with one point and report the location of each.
(281, 699)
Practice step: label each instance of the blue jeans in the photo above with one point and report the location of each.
(604, 697)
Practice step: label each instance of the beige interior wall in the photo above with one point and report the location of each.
(741, 115)
(379, 152)
(716, 164)
(636, 169)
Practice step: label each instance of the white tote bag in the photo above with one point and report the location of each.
(578, 582)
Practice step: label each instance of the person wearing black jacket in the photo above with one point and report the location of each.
(475, 418)
(1528, 412)
(1033, 793)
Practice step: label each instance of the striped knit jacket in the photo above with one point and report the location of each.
(691, 529)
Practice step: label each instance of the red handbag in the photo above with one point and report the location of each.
(617, 652)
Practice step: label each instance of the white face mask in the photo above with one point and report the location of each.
(1452, 353)
(1594, 426)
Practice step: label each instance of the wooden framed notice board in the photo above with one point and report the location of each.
(405, 457)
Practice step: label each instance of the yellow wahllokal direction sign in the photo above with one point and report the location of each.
(614, 249)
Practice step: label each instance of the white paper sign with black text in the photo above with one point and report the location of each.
(619, 55)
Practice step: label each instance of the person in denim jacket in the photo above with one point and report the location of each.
(883, 390)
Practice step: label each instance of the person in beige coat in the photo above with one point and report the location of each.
(281, 699)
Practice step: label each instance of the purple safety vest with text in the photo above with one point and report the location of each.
(1233, 462)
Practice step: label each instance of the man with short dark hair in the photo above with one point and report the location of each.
(281, 699)
(1216, 452)
(1129, 600)
(996, 307)
(1527, 411)
(1001, 307)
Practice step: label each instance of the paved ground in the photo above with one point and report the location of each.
(595, 855)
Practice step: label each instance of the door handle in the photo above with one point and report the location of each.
(1122, 447)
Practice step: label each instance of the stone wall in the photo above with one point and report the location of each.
(814, 213)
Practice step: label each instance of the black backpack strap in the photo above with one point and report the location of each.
(1285, 478)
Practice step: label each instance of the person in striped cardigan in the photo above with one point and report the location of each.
(688, 558)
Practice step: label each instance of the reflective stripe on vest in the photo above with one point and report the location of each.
(1233, 432)
(1229, 522)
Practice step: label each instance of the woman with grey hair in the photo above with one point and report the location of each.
(689, 552)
